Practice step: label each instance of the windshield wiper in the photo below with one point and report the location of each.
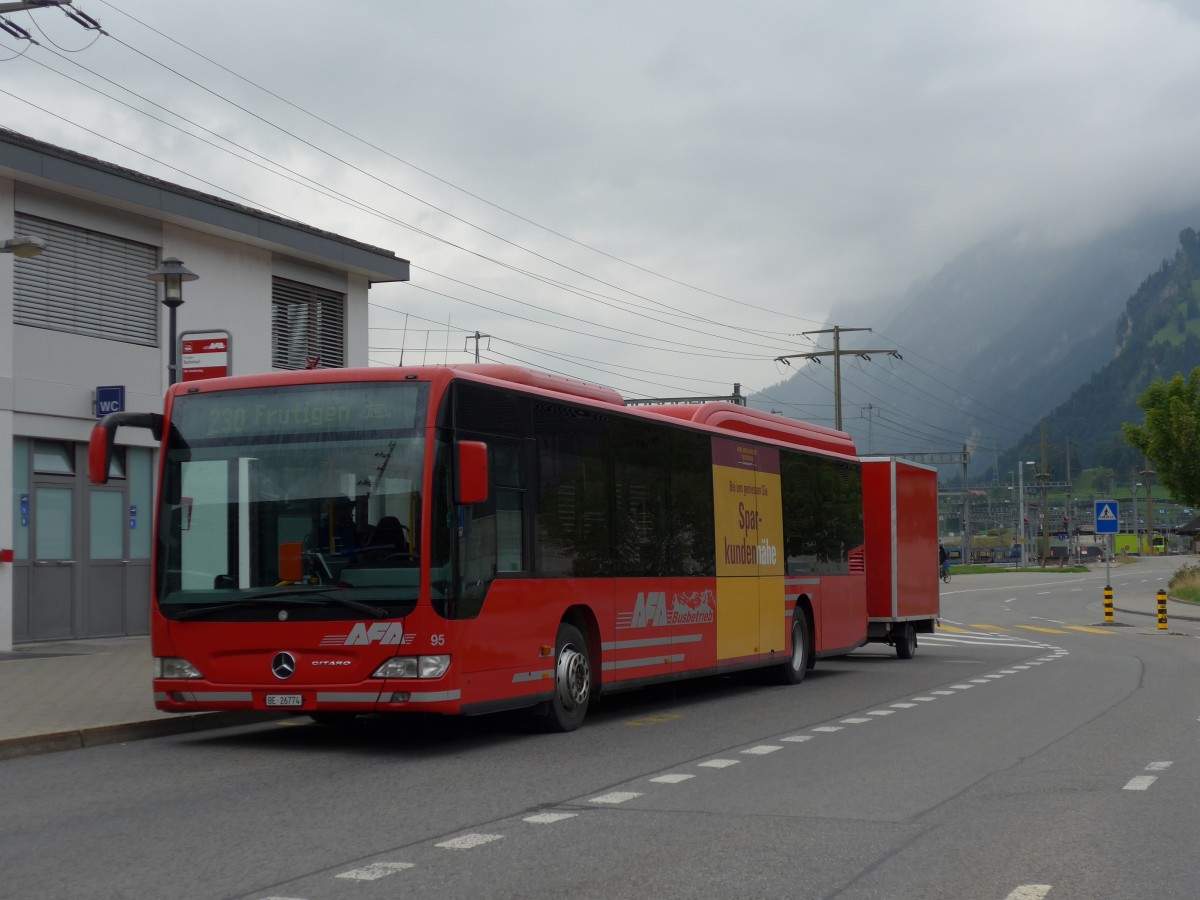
(288, 598)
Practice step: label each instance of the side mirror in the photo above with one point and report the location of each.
(471, 486)
(104, 434)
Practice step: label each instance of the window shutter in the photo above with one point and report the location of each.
(306, 323)
(86, 283)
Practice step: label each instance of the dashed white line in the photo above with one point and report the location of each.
(1140, 783)
(943, 693)
(856, 720)
(762, 749)
(797, 738)
(469, 841)
(827, 729)
(979, 681)
(962, 687)
(925, 699)
(1158, 767)
(882, 712)
(672, 778)
(1029, 892)
(911, 705)
(719, 763)
(616, 797)
(375, 871)
(551, 818)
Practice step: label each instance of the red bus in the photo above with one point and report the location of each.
(474, 538)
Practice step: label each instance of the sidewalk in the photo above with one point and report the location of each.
(70, 694)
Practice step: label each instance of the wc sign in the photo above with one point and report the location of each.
(110, 399)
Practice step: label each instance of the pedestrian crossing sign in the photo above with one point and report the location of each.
(1107, 516)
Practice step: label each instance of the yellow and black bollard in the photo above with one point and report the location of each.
(1108, 604)
(1162, 610)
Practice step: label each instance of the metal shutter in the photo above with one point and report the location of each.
(306, 323)
(86, 283)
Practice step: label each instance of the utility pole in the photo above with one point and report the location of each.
(477, 337)
(1148, 475)
(869, 409)
(837, 353)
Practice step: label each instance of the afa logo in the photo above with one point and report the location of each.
(382, 632)
(651, 609)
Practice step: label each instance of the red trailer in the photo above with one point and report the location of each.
(900, 500)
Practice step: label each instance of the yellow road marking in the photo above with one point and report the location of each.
(654, 720)
(953, 628)
(1039, 628)
(990, 627)
(1091, 630)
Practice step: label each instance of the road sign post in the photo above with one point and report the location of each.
(1108, 517)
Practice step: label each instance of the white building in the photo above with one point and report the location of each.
(74, 557)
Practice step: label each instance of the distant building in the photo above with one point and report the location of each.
(75, 558)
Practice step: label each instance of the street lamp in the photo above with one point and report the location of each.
(23, 245)
(171, 275)
(1021, 492)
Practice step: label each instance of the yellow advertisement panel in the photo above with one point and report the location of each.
(749, 537)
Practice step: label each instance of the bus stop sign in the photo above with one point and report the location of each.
(1107, 516)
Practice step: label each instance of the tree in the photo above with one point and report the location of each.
(1170, 437)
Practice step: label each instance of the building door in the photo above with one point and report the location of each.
(54, 569)
(107, 561)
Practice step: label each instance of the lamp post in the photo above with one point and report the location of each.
(171, 274)
(1137, 532)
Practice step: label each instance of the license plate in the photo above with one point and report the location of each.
(285, 699)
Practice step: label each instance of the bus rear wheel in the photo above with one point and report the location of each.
(572, 681)
(793, 671)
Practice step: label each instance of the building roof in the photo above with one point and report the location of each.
(55, 168)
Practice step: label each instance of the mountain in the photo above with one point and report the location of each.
(1000, 337)
(1158, 336)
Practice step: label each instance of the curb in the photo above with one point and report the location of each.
(1170, 615)
(34, 744)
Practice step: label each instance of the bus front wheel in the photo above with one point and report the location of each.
(572, 681)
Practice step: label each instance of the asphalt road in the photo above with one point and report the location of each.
(1024, 753)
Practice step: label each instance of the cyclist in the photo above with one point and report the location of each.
(943, 562)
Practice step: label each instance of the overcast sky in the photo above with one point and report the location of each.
(656, 196)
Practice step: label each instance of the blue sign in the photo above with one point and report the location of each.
(110, 399)
(1107, 516)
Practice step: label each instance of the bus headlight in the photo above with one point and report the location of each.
(414, 667)
(174, 667)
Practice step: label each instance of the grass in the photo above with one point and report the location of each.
(997, 570)
(1185, 584)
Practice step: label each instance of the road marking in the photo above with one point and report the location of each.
(614, 797)
(469, 841)
(911, 705)
(1040, 628)
(1090, 630)
(764, 749)
(1158, 767)
(1029, 892)
(1009, 671)
(671, 779)
(375, 871)
(993, 677)
(952, 628)
(962, 687)
(551, 818)
(1140, 782)
(719, 763)
(797, 738)
(654, 720)
(925, 699)
(881, 712)
(990, 627)
(857, 720)
(943, 693)
(827, 729)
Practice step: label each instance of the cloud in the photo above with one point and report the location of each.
(795, 157)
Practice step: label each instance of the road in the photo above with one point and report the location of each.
(1024, 753)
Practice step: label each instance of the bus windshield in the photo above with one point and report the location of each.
(299, 502)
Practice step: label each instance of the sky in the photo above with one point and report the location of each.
(660, 197)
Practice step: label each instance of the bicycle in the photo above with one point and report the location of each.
(945, 572)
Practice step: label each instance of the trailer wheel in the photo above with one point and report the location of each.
(572, 682)
(906, 641)
(798, 664)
